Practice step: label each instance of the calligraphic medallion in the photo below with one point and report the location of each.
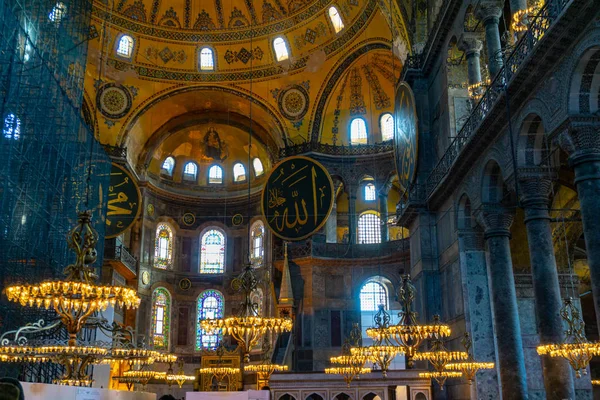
(185, 284)
(237, 219)
(145, 277)
(124, 200)
(406, 136)
(297, 199)
(188, 219)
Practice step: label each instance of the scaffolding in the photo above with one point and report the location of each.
(51, 166)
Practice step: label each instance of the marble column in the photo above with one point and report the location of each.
(489, 12)
(511, 361)
(535, 189)
(472, 45)
(478, 312)
(582, 143)
(331, 225)
(352, 218)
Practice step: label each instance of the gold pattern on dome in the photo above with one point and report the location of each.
(124, 202)
(297, 199)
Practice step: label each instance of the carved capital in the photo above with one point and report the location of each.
(489, 11)
(470, 44)
(535, 185)
(495, 219)
(580, 140)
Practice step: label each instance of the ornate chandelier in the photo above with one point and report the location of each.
(265, 369)
(470, 367)
(382, 352)
(576, 348)
(408, 334)
(180, 377)
(351, 365)
(440, 376)
(248, 327)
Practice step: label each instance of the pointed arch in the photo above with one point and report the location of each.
(209, 305)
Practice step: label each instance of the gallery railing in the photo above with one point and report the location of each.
(352, 150)
(344, 250)
(118, 252)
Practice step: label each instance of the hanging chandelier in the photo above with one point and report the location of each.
(180, 377)
(350, 365)
(248, 327)
(440, 376)
(408, 334)
(220, 371)
(382, 352)
(470, 367)
(575, 348)
(266, 368)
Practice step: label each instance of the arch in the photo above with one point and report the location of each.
(369, 227)
(386, 125)
(239, 172)
(206, 58)
(281, 49)
(370, 192)
(371, 396)
(464, 215)
(373, 293)
(190, 171)
(342, 396)
(258, 167)
(12, 127)
(161, 318)
(492, 184)
(584, 88)
(215, 175)
(163, 246)
(210, 304)
(257, 243)
(286, 396)
(168, 166)
(336, 19)
(212, 251)
(358, 131)
(124, 45)
(532, 145)
(420, 396)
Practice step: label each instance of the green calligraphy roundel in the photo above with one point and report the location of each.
(297, 198)
(406, 135)
(124, 202)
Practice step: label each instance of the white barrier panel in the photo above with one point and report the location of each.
(44, 391)
(248, 395)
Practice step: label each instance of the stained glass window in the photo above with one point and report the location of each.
(161, 318)
(215, 174)
(358, 131)
(372, 295)
(257, 235)
(59, 11)
(281, 50)
(258, 167)
(387, 126)
(189, 171)
(369, 228)
(369, 192)
(125, 48)
(207, 62)
(163, 247)
(239, 172)
(336, 19)
(210, 305)
(212, 253)
(168, 165)
(12, 127)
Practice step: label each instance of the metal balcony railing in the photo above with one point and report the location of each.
(539, 25)
(344, 250)
(118, 252)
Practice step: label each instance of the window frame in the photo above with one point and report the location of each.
(383, 139)
(350, 132)
(12, 131)
(386, 295)
(224, 257)
(187, 177)
(377, 231)
(118, 45)
(168, 264)
(199, 58)
(330, 18)
(252, 246)
(165, 171)
(57, 19)
(262, 167)
(245, 172)
(368, 185)
(202, 297)
(166, 321)
(287, 48)
(222, 175)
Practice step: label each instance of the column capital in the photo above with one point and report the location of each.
(489, 11)
(495, 219)
(472, 239)
(470, 43)
(535, 185)
(581, 141)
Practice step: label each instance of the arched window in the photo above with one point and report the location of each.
(369, 228)
(370, 192)
(212, 252)
(168, 165)
(281, 50)
(336, 19)
(163, 247)
(358, 131)
(190, 171)
(258, 167)
(372, 294)
(207, 61)
(386, 122)
(210, 305)
(12, 127)
(161, 318)
(125, 47)
(215, 174)
(239, 173)
(257, 250)
(59, 11)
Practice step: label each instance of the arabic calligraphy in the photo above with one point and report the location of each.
(123, 201)
(297, 198)
(405, 136)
